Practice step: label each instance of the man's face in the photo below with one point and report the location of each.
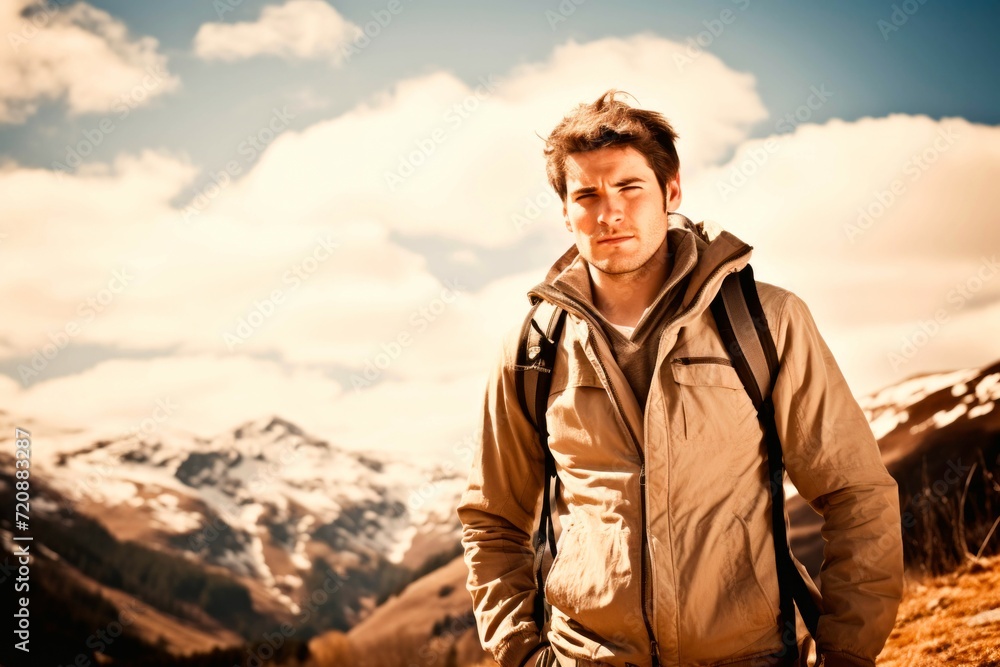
(615, 208)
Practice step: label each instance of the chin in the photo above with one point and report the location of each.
(617, 266)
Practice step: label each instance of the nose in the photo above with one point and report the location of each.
(611, 212)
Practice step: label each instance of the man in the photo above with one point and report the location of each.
(665, 554)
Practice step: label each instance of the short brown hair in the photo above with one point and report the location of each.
(611, 122)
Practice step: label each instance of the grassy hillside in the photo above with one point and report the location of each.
(952, 619)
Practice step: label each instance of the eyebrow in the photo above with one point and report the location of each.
(623, 182)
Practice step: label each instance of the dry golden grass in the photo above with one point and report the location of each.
(945, 621)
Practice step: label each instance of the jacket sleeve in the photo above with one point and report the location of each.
(497, 512)
(834, 461)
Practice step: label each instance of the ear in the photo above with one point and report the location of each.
(674, 193)
(569, 227)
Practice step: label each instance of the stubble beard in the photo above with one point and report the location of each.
(626, 270)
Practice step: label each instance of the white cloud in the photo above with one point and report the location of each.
(873, 355)
(76, 52)
(296, 30)
(435, 155)
(306, 291)
(67, 235)
(195, 280)
(205, 394)
(421, 418)
(878, 224)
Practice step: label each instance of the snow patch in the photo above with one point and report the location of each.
(44, 505)
(980, 410)
(988, 388)
(165, 511)
(113, 491)
(908, 392)
(887, 422)
(404, 541)
(940, 419)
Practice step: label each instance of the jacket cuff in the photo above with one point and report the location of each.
(842, 659)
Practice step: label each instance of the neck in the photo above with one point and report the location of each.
(622, 297)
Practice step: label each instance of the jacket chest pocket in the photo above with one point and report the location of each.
(714, 403)
(584, 430)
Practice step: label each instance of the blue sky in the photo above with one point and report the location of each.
(943, 61)
(135, 270)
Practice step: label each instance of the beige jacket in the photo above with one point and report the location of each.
(664, 512)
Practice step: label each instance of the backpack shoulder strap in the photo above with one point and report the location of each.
(743, 326)
(536, 357)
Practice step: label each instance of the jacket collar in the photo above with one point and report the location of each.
(695, 257)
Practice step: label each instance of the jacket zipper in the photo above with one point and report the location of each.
(688, 361)
(654, 651)
(571, 304)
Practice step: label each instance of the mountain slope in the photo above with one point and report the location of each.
(431, 620)
(237, 534)
(936, 432)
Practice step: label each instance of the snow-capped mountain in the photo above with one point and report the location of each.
(268, 502)
(932, 401)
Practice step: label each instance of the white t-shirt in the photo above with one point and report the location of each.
(628, 330)
(625, 330)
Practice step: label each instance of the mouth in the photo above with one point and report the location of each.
(613, 240)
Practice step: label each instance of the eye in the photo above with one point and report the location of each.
(583, 197)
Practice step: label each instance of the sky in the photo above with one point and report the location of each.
(332, 211)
